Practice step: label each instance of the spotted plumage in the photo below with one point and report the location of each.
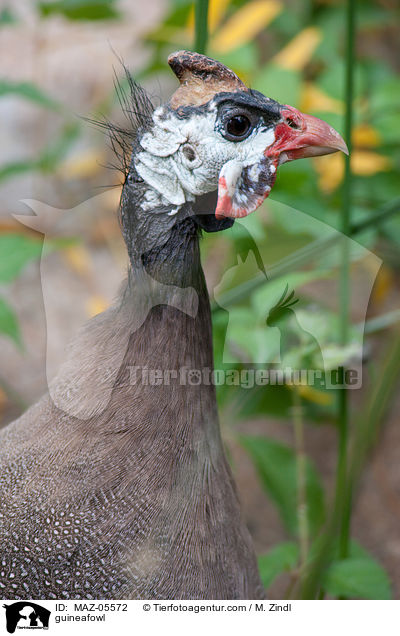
(113, 488)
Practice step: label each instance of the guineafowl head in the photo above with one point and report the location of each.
(213, 135)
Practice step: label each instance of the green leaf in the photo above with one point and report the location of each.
(264, 400)
(281, 558)
(16, 250)
(9, 322)
(276, 467)
(357, 578)
(331, 80)
(81, 9)
(383, 97)
(6, 17)
(29, 91)
(15, 168)
(241, 60)
(280, 84)
(244, 403)
(357, 551)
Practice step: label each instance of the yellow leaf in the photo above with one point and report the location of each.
(245, 24)
(82, 167)
(366, 163)
(383, 284)
(190, 20)
(298, 52)
(96, 305)
(313, 395)
(78, 259)
(330, 170)
(313, 98)
(216, 11)
(365, 136)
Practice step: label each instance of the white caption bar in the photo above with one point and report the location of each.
(131, 617)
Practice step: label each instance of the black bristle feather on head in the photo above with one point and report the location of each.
(137, 110)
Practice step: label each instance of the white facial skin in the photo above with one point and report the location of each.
(184, 158)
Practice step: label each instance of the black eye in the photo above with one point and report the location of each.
(238, 126)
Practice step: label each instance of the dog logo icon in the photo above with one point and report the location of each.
(26, 615)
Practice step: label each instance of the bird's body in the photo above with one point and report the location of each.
(116, 485)
(124, 505)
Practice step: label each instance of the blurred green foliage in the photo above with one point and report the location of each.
(359, 576)
(276, 466)
(28, 91)
(81, 9)
(15, 252)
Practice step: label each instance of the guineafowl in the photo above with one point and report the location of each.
(115, 484)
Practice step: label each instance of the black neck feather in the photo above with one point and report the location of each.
(167, 246)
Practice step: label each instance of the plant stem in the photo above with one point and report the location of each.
(368, 425)
(201, 28)
(339, 522)
(347, 185)
(302, 517)
(343, 495)
(342, 485)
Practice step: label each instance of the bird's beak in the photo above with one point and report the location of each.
(299, 135)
